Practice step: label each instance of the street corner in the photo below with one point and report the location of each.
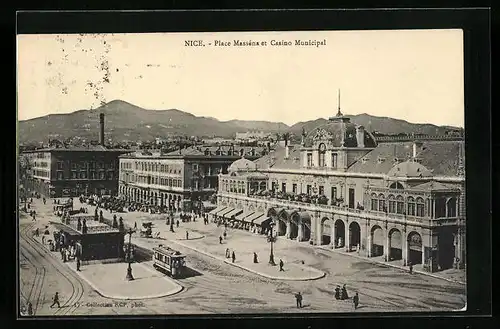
(109, 280)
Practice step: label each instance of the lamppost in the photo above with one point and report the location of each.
(271, 239)
(129, 276)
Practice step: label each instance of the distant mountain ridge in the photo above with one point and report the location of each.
(125, 121)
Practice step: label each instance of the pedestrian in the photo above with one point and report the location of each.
(255, 260)
(225, 235)
(78, 264)
(411, 268)
(228, 253)
(337, 292)
(177, 223)
(355, 300)
(43, 239)
(56, 301)
(281, 265)
(187, 235)
(220, 239)
(135, 226)
(344, 294)
(298, 298)
(233, 256)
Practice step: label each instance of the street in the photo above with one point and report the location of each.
(223, 288)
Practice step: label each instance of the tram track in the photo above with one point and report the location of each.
(39, 278)
(35, 251)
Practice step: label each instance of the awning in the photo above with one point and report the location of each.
(261, 219)
(225, 211)
(252, 217)
(209, 205)
(216, 210)
(232, 213)
(244, 215)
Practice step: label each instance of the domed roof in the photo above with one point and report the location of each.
(339, 131)
(409, 169)
(242, 165)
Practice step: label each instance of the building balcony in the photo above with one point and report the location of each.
(344, 210)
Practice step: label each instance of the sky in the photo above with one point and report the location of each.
(413, 75)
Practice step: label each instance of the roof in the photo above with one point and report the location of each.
(242, 165)
(439, 157)
(204, 151)
(90, 148)
(434, 186)
(65, 228)
(409, 169)
(339, 131)
(276, 159)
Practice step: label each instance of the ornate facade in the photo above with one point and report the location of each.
(399, 201)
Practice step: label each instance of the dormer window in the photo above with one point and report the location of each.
(321, 155)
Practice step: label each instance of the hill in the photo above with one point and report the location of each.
(125, 121)
(383, 125)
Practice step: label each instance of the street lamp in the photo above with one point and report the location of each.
(129, 276)
(271, 239)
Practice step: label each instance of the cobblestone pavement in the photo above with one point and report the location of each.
(218, 287)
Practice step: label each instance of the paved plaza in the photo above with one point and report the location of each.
(219, 287)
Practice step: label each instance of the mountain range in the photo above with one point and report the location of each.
(125, 121)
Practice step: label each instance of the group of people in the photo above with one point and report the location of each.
(341, 294)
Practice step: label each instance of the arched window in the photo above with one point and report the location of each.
(400, 205)
(451, 207)
(420, 207)
(242, 152)
(381, 202)
(374, 202)
(396, 186)
(411, 206)
(392, 204)
(207, 152)
(321, 155)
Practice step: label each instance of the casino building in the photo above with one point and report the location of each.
(403, 202)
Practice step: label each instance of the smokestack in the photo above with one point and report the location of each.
(416, 148)
(101, 132)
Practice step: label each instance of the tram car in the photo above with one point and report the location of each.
(168, 260)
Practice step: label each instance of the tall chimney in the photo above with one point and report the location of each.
(101, 132)
(416, 148)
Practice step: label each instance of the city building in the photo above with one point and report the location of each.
(64, 171)
(180, 180)
(340, 188)
(252, 135)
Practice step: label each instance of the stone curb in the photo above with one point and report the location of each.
(174, 291)
(316, 277)
(392, 265)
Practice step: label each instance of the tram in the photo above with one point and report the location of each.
(169, 260)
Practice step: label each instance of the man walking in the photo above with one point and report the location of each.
(187, 235)
(225, 235)
(255, 260)
(78, 264)
(233, 257)
(56, 301)
(281, 265)
(355, 301)
(298, 298)
(220, 240)
(411, 268)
